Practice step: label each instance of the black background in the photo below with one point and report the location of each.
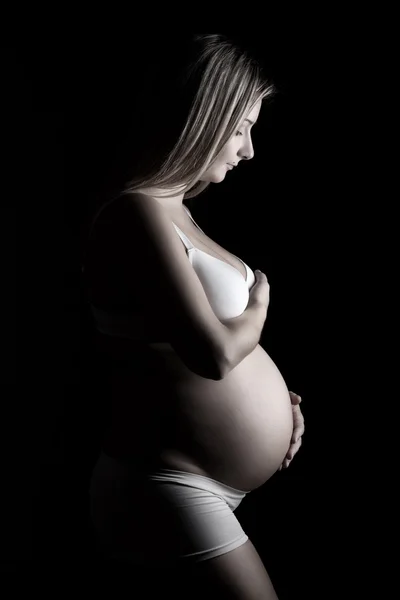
(294, 211)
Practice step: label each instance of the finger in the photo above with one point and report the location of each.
(298, 419)
(300, 427)
(296, 437)
(297, 412)
(285, 463)
(293, 450)
(297, 432)
(294, 398)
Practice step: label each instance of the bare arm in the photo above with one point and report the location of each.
(243, 334)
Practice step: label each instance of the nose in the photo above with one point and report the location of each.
(247, 150)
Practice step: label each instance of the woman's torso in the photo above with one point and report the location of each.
(236, 430)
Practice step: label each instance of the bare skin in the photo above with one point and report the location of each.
(236, 575)
(242, 424)
(238, 148)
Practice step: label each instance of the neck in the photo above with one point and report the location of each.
(173, 203)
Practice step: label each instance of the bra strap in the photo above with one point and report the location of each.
(184, 238)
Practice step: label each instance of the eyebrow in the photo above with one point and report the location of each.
(251, 122)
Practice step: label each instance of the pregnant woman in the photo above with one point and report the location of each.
(200, 414)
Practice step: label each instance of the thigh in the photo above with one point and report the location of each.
(132, 524)
(173, 519)
(201, 513)
(236, 575)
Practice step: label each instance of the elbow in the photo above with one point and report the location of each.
(215, 369)
(220, 372)
(202, 361)
(222, 368)
(204, 366)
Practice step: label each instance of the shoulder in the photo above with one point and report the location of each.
(110, 225)
(118, 243)
(135, 225)
(120, 211)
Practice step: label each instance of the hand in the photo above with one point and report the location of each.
(298, 430)
(260, 290)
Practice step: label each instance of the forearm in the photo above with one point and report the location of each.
(243, 333)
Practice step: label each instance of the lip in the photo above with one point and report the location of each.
(230, 165)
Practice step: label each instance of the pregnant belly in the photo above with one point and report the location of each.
(237, 429)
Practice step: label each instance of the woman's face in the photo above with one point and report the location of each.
(239, 147)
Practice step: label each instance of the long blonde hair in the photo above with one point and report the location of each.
(218, 84)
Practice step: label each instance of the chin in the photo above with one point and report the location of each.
(217, 176)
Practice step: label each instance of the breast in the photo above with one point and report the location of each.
(225, 287)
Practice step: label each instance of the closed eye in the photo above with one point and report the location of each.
(239, 133)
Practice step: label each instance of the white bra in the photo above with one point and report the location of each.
(226, 289)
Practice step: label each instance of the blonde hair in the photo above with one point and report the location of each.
(218, 84)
